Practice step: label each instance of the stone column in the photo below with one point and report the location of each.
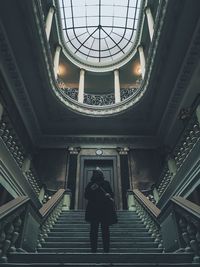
(49, 20)
(56, 60)
(142, 59)
(117, 86)
(81, 86)
(150, 21)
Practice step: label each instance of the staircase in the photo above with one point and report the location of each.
(68, 245)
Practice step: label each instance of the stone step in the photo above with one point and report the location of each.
(73, 220)
(112, 250)
(86, 244)
(86, 238)
(83, 228)
(100, 264)
(130, 258)
(119, 225)
(86, 233)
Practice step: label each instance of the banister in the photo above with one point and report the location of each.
(12, 205)
(187, 205)
(147, 203)
(47, 207)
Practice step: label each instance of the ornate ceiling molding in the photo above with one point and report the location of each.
(16, 86)
(181, 87)
(93, 141)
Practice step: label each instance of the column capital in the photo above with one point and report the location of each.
(82, 71)
(53, 8)
(140, 46)
(147, 9)
(58, 46)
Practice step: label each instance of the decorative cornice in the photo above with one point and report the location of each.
(100, 111)
(15, 84)
(181, 88)
(93, 141)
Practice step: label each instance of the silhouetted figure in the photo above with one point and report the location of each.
(100, 209)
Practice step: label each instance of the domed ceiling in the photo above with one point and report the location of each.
(99, 31)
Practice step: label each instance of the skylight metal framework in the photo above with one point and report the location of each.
(99, 30)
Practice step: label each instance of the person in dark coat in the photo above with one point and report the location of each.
(100, 209)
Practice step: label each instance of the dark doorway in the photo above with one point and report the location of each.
(108, 167)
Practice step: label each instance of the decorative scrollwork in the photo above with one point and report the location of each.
(71, 92)
(127, 92)
(99, 100)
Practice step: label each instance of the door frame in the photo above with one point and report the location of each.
(116, 177)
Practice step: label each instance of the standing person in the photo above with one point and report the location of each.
(100, 209)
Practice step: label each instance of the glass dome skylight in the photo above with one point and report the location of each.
(99, 31)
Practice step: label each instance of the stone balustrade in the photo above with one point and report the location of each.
(186, 143)
(14, 233)
(11, 141)
(148, 213)
(188, 221)
(16, 149)
(50, 219)
(11, 226)
(33, 181)
(98, 99)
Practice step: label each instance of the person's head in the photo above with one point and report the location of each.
(97, 175)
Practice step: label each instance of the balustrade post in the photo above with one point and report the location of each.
(26, 164)
(142, 59)
(41, 194)
(185, 236)
(49, 20)
(117, 86)
(156, 194)
(66, 200)
(198, 114)
(192, 232)
(172, 166)
(1, 111)
(56, 60)
(131, 201)
(81, 87)
(150, 21)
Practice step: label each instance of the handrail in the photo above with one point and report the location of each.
(12, 205)
(49, 205)
(17, 213)
(187, 205)
(147, 203)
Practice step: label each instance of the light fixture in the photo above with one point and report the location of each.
(62, 70)
(137, 69)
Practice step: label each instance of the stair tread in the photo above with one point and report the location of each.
(101, 264)
(111, 257)
(68, 244)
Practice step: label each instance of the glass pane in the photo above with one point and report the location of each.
(116, 28)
